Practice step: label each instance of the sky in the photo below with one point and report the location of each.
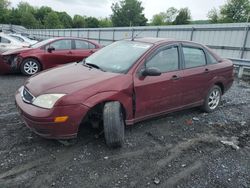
(101, 8)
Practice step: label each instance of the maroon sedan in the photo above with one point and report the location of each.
(124, 83)
(46, 54)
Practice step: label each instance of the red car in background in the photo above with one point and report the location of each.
(46, 54)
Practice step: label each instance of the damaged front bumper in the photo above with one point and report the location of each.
(9, 63)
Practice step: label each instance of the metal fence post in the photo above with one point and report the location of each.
(71, 33)
(113, 36)
(244, 43)
(99, 37)
(157, 32)
(133, 33)
(192, 33)
(88, 34)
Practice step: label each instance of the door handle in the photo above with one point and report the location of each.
(70, 52)
(206, 71)
(175, 77)
(91, 51)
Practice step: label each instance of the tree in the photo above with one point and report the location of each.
(128, 13)
(41, 13)
(65, 19)
(213, 16)
(105, 22)
(91, 22)
(4, 4)
(171, 15)
(78, 21)
(183, 17)
(28, 20)
(159, 19)
(51, 21)
(235, 11)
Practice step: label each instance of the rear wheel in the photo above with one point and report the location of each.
(30, 67)
(113, 122)
(213, 99)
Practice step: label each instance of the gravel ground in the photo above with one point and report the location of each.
(184, 149)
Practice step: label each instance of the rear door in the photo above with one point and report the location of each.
(158, 94)
(196, 74)
(61, 55)
(82, 49)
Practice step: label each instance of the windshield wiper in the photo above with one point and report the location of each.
(93, 66)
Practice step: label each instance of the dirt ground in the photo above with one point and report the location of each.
(185, 149)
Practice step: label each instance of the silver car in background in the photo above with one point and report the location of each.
(9, 43)
(22, 38)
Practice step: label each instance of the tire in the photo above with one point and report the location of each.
(30, 66)
(212, 99)
(113, 123)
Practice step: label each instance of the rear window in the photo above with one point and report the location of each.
(80, 44)
(194, 57)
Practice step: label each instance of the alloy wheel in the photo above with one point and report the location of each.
(31, 67)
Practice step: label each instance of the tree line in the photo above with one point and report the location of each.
(124, 13)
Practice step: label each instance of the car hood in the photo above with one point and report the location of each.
(16, 51)
(66, 79)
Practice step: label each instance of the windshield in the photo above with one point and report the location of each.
(118, 57)
(39, 44)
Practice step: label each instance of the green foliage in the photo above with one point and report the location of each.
(235, 11)
(183, 17)
(128, 13)
(159, 19)
(78, 21)
(45, 17)
(105, 22)
(232, 12)
(4, 4)
(28, 20)
(91, 22)
(65, 19)
(52, 21)
(172, 16)
(213, 16)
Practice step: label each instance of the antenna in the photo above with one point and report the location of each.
(133, 38)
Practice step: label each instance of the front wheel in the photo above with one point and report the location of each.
(30, 67)
(113, 123)
(213, 99)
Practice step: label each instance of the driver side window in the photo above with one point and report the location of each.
(165, 60)
(61, 45)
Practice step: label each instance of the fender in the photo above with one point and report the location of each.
(124, 98)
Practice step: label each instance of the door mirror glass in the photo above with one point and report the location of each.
(50, 49)
(151, 71)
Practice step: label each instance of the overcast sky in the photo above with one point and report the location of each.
(101, 8)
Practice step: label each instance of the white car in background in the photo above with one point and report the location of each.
(22, 38)
(9, 43)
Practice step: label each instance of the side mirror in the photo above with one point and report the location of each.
(151, 71)
(50, 49)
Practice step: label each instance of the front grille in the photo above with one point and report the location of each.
(27, 96)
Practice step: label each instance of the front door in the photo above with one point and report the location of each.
(159, 94)
(61, 54)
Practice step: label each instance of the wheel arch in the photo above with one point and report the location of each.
(221, 85)
(109, 96)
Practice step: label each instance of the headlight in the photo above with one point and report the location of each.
(47, 100)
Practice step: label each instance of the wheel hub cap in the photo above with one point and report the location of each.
(214, 99)
(30, 67)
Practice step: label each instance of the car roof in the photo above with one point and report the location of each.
(154, 40)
